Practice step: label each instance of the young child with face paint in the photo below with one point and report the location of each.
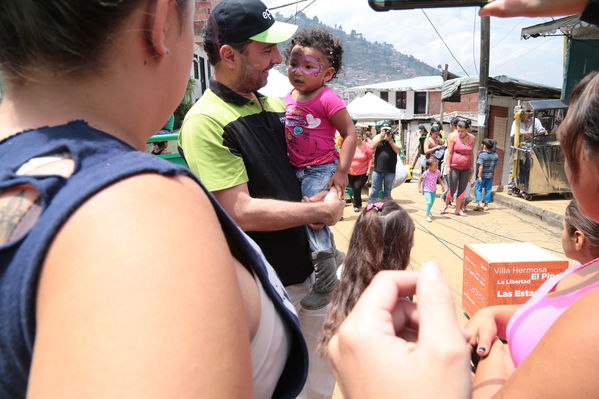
(313, 114)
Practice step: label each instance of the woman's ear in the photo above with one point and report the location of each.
(579, 240)
(157, 25)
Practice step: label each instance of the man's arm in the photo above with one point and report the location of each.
(261, 214)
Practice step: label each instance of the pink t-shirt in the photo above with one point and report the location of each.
(461, 156)
(362, 159)
(532, 320)
(430, 180)
(309, 133)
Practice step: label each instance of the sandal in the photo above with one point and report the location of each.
(460, 213)
(443, 210)
(478, 208)
(485, 207)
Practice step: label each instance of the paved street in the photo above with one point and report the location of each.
(443, 240)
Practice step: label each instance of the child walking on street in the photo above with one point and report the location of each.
(431, 177)
(486, 161)
(382, 239)
(313, 114)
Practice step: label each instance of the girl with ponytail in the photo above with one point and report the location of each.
(382, 240)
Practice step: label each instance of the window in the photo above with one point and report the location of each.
(196, 70)
(385, 95)
(400, 100)
(420, 102)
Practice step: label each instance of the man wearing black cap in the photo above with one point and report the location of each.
(233, 140)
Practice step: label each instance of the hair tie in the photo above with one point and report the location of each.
(378, 206)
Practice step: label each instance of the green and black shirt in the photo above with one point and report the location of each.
(228, 140)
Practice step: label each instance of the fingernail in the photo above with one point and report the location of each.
(482, 349)
(431, 272)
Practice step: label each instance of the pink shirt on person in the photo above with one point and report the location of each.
(532, 320)
(309, 133)
(362, 160)
(461, 156)
(430, 180)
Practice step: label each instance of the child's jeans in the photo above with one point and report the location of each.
(315, 179)
(430, 200)
(487, 185)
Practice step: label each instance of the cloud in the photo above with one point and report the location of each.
(538, 60)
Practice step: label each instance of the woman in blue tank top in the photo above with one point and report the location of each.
(119, 274)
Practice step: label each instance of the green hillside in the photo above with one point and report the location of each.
(366, 62)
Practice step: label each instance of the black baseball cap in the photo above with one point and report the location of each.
(235, 21)
(422, 127)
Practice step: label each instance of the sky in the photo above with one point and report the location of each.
(538, 60)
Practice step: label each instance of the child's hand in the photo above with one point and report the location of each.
(339, 181)
(480, 179)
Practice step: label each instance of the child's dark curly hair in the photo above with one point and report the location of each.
(322, 40)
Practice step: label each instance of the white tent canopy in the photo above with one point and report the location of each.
(278, 85)
(370, 107)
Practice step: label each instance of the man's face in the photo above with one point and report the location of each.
(257, 59)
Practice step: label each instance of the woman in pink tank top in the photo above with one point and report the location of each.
(460, 150)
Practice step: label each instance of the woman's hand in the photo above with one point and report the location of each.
(533, 8)
(389, 347)
(483, 331)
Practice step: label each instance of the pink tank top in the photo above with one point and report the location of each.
(530, 323)
(461, 157)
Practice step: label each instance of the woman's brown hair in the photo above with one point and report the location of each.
(382, 240)
(580, 129)
(576, 221)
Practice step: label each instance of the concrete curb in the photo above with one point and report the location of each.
(528, 207)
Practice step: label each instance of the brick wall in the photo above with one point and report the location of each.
(434, 102)
(468, 103)
(202, 11)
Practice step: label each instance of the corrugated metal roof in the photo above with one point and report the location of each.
(416, 84)
(570, 26)
(499, 86)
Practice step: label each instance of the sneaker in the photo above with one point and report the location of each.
(429, 218)
(460, 213)
(485, 207)
(357, 209)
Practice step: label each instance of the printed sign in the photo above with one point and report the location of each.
(505, 274)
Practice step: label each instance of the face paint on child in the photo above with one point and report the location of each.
(306, 64)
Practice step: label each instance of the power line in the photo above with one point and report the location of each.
(448, 49)
(294, 15)
(295, 3)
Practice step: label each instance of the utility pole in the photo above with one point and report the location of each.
(442, 105)
(483, 83)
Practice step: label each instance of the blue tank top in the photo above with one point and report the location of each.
(100, 160)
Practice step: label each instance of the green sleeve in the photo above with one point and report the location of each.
(201, 138)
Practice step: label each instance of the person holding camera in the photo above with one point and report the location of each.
(385, 161)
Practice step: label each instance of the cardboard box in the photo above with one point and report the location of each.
(505, 274)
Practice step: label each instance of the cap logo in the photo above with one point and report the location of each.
(266, 14)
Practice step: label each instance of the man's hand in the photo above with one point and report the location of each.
(339, 181)
(330, 202)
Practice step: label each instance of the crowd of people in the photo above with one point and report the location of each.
(235, 302)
